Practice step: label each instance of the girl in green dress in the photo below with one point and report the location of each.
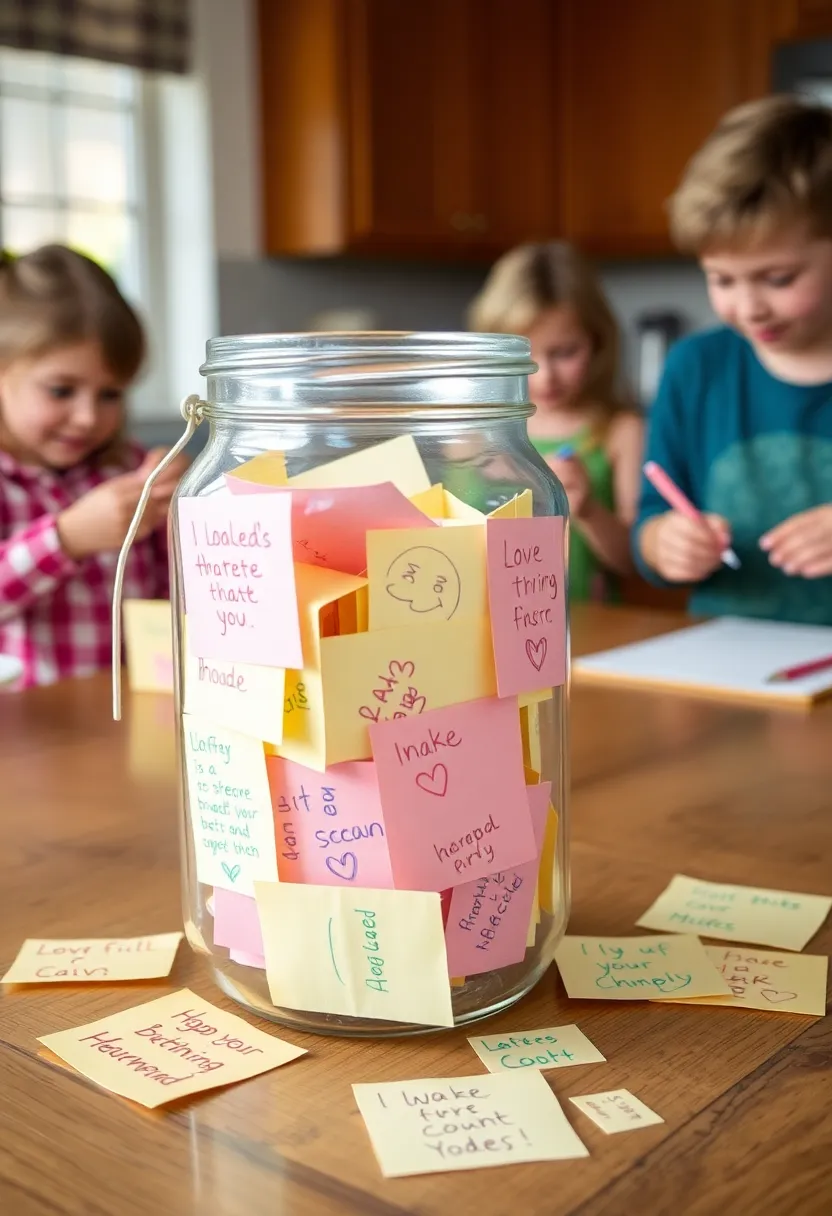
(589, 436)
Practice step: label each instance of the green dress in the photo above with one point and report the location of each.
(588, 580)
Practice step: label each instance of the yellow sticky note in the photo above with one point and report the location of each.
(500, 1119)
(554, 1047)
(617, 1110)
(763, 979)
(265, 469)
(637, 968)
(370, 677)
(548, 870)
(164, 1049)
(534, 918)
(318, 591)
(519, 507)
(431, 501)
(93, 959)
(441, 504)
(148, 640)
(737, 914)
(396, 460)
(459, 511)
(366, 953)
(417, 576)
(242, 696)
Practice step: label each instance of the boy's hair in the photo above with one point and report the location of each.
(531, 279)
(55, 297)
(768, 164)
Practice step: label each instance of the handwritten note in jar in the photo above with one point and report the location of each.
(526, 594)
(239, 579)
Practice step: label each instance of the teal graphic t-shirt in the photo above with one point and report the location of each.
(750, 447)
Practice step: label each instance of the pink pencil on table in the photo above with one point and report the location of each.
(674, 498)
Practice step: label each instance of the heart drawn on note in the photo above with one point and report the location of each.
(435, 782)
(345, 866)
(536, 652)
(777, 998)
(231, 872)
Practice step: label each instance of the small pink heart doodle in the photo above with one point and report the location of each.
(435, 782)
(777, 998)
(345, 866)
(536, 652)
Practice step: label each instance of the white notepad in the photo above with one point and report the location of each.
(731, 657)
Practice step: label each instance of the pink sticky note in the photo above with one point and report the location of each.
(329, 526)
(163, 670)
(236, 923)
(489, 918)
(527, 602)
(453, 793)
(247, 960)
(240, 579)
(330, 827)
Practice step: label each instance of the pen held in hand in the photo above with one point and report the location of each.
(674, 497)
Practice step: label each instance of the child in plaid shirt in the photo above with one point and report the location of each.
(69, 482)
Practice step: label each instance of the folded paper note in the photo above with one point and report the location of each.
(555, 1047)
(265, 469)
(244, 697)
(526, 591)
(230, 806)
(148, 641)
(365, 953)
(488, 920)
(763, 979)
(397, 674)
(617, 1110)
(454, 795)
(329, 526)
(93, 959)
(637, 968)
(330, 826)
(426, 574)
(441, 1124)
(441, 505)
(239, 579)
(165, 1049)
(236, 923)
(737, 914)
(519, 507)
(395, 460)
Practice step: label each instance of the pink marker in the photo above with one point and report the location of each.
(674, 497)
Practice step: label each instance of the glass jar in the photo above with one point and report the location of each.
(297, 402)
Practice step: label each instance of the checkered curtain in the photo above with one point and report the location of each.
(149, 34)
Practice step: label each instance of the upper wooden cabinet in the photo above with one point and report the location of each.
(422, 128)
(800, 19)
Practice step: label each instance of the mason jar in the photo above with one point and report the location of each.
(340, 627)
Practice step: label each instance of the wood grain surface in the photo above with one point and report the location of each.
(661, 784)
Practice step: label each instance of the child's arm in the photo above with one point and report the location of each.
(32, 564)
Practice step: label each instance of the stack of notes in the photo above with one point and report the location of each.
(364, 663)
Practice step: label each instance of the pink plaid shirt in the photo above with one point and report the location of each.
(55, 612)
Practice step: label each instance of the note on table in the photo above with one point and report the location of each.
(637, 968)
(488, 918)
(526, 592)
(148, 641)
(164, 1049)
(330, 826)
(265, 469)
(90, 959)
(617, 1110)
(454, 795)
(236, 923)
(437, 1124)
(373, 677)
(425, 575)
(239, 579)
(230, 806)
(329, 526)
(763, 979)
(366, 953)
(395, 460)
(737, 914)
(554, 1047)
(245, 697)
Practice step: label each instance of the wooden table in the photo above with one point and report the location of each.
(661, 784)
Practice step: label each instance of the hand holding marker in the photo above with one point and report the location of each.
(674, 497)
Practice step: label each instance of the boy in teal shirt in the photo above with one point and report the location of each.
(743, 418)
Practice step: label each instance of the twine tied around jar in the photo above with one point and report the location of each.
(191, 409)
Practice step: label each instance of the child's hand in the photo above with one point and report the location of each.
(802, 544)
(684, 550)
(574, 478)
(98, 521)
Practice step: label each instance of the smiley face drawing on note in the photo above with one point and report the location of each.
(421, 575)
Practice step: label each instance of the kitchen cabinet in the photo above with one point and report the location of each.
(799, 19)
